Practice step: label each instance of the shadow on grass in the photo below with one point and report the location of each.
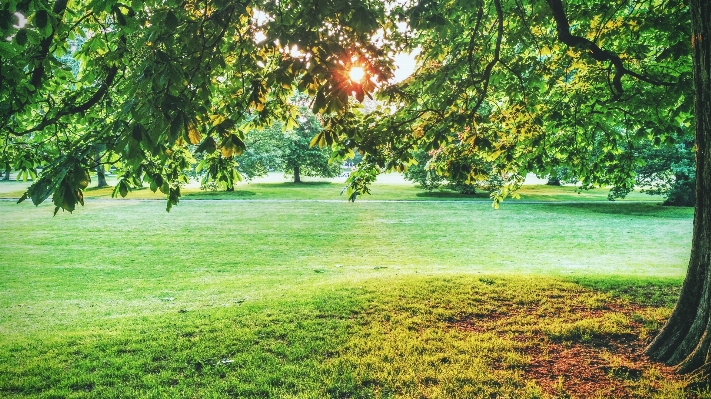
(642, 291)
(451, 194)
(219, 194)
(301, 184)
(629, 208)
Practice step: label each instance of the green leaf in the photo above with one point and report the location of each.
(6, 20)
(41, 18)
(176, 127)
(171, 21)
(208, 145)
(7, 51)
(21, 37)
(123, 188)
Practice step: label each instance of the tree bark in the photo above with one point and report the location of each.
(297, 176)
(6, 176)
(685, 340)
(100, 175)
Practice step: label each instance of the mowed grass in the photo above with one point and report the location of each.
(389, 187)
(284, 299)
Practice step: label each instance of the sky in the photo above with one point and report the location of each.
(405, 64)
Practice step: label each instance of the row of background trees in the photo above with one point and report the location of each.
(663, 170)
(272, 148)
(666, 170)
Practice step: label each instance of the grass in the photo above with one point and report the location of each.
(436, 299)
(389, 187)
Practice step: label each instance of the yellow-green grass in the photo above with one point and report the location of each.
(324, 299)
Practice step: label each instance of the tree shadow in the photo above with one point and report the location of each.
(646, 209)
(220, 194)
(452, 194)
(300, 184)
(649, 291)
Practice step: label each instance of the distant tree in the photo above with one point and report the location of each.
(218, 172)
(6, 163)
(669, 171)
(100, 171)
(288, 150)
(444, 169)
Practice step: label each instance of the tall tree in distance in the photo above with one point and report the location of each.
(289, 150)
(100, 171)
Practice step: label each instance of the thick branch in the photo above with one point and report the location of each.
(38, 73)
(567, 38)
(475, 33)
(75, 109)
(497, 53)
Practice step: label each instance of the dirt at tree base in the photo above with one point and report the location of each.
(585, 370)
(600, 367)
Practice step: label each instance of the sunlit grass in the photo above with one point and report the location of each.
(326, 299)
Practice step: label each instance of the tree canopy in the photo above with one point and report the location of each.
(523, 86)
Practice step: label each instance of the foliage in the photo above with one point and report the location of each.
(144, 77)
(219, 170)
(529, 95)
(442, 169)
(669, 171)
(527, 100)
(276, 148)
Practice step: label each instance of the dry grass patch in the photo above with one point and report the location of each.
(581, 344)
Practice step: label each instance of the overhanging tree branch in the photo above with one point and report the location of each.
(497, 53)
(597, 53)
(75, 109)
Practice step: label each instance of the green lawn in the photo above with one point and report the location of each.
(388, 187)
(299, 299)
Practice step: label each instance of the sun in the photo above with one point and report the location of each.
(356, 74)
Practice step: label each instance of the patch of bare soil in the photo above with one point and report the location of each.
(604, 366)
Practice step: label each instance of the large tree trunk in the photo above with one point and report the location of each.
(685, 340)
(297, 176)
(7, 175)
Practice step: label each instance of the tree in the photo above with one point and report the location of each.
(157, 76)
(452, 169)
(669, 171)
(100, 171)
(540, 91)
(276, 148)
(531, 87)
(684, 339)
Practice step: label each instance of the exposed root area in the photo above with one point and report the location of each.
(597, 365)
